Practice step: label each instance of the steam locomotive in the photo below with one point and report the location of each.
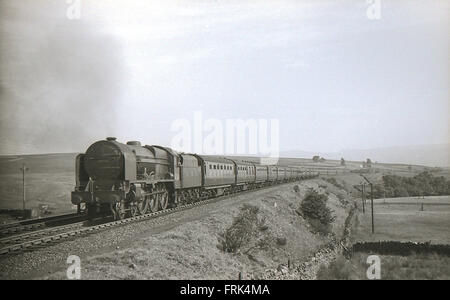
(130, 179)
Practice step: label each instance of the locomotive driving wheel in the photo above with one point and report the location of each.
(143, 205)
(134, 209)
(153, 203)
(163, 198)
(139, 206)
(134, 203)
(120, 211)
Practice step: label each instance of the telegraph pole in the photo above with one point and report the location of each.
(23, 169)
(363, 197)
(371, 202)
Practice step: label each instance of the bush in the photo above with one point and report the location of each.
(244, 226)
(340, 269)
(315, 210)
(333, 181)
(342, 199)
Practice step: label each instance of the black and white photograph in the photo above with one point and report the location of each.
(224, 147)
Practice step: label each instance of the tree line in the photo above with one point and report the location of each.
(423, 184)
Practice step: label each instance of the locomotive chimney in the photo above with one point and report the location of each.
(111, 138)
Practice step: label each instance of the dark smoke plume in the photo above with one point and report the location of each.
(60, 81)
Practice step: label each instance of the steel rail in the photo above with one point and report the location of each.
(35, 224)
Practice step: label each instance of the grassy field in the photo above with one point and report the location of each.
(49, 180)
(399, 219)
(407, 222)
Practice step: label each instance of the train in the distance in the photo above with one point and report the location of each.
(131, 179)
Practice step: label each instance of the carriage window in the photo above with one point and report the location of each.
(221, 167)
(210, 166)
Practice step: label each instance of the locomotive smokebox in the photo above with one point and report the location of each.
(104, 160)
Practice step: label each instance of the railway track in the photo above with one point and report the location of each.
(37, 224)
(33, 240)
(23, 238)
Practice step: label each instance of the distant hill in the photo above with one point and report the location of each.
(38, 163)
(427, 155)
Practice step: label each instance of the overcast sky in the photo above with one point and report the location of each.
(334, 78)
